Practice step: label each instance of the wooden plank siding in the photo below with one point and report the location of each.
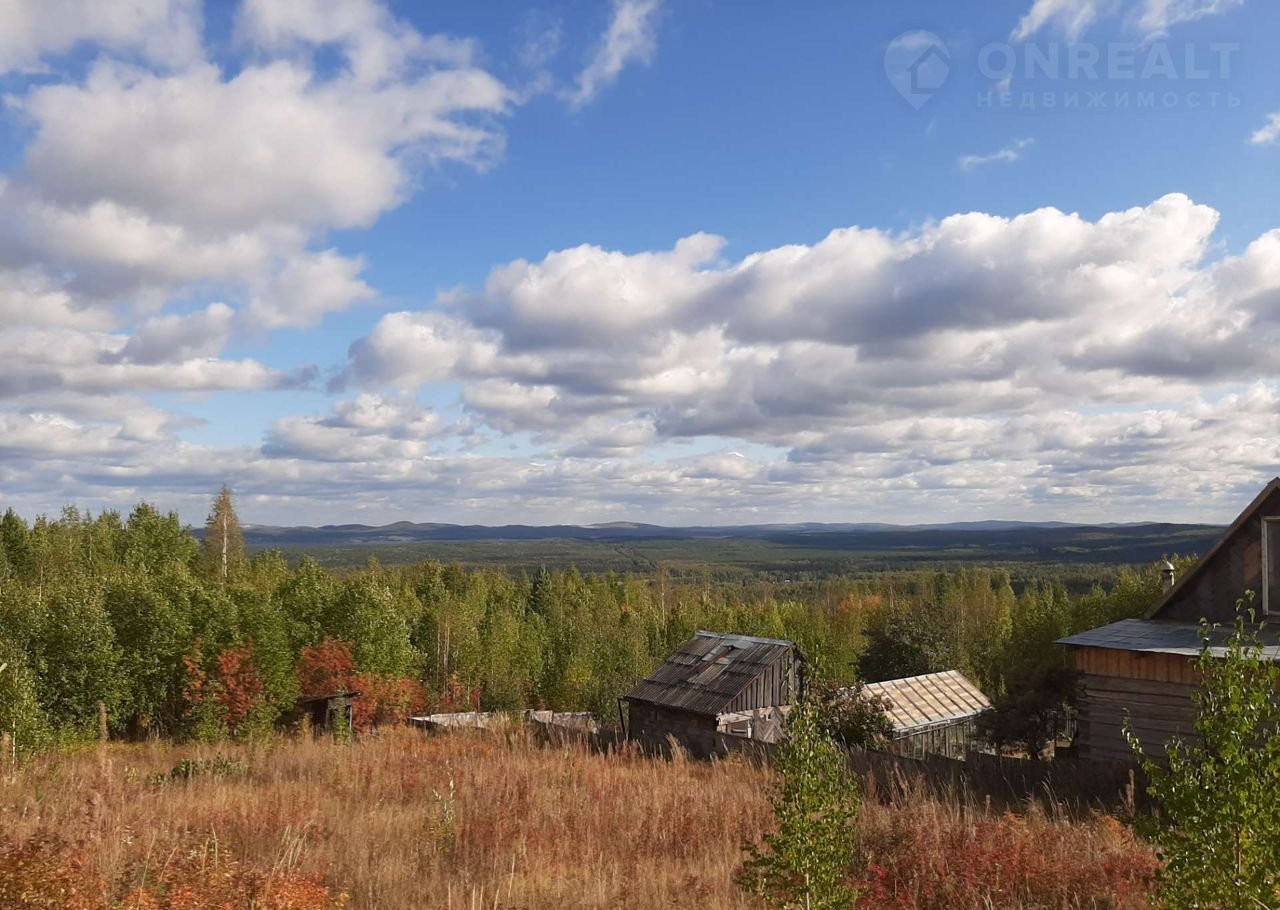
(1210, 590)
(651, 725)
(1152, 690)
(1169, 668)
(776, 685)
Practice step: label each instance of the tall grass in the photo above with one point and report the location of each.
(493, 821)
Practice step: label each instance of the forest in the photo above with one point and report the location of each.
(173, 636)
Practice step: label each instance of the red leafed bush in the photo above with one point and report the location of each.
(387, 699)
(929, 858)
(239, 685)
(47, 874)
(326, 668)
(41, 875)
(193, 693)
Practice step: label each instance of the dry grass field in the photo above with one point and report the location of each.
(491, 821)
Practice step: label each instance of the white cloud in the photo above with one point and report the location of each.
(1150, 18)
(1073, 17)
(368, 428)
(1268, 134)
(891, 361)
(1007, 155)
(156, 182)
(163, 339)
(166, 32)
(271, 145)
(630, 38)
(1156, 17)
(307, 286)
(142, 184)
(377, 46)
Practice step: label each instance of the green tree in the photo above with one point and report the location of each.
(1029, 716)
(153, 541)
(15, 540)
(20, 713)
(1219, 829)
(222, 550)
(806, 862)
(909, 641)
(852, 717)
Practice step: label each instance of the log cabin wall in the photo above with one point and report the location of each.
(1154, 689)
(1211, 590)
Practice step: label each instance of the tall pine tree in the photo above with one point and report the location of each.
(223, 546)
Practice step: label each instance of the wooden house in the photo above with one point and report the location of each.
(707, 685)
(935, 714)
(1145, 668)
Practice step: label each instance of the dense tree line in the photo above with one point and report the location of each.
(176, 636)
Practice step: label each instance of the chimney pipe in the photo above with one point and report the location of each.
(1167, 575)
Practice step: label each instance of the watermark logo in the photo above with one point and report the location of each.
(917, 64)
(1072, 75)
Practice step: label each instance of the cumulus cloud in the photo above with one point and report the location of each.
(143, 183)
(165, 203)
(1041, 354)
(630, 38)
(162, 339)
(159, 31)
(271, 145)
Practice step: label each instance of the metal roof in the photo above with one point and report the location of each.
(706, 673)
(937, 699)
(1160, 636)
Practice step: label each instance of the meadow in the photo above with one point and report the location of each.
(406, 820)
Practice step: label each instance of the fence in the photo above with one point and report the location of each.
(1073, 783)
(1006, 782)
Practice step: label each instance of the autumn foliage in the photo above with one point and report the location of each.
(406, 820)
(239, 688)
(329, 667)
(325, 668)
(47, 873)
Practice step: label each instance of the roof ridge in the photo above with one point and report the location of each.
(1250, 510)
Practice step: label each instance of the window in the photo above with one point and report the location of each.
(1270, 561)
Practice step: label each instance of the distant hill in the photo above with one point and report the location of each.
(783, 548)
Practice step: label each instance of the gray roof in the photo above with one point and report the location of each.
(706, 673)
(937, 699)
(1159, 636)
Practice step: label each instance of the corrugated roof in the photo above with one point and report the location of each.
(706, 673)
(1160, 636)
(933, 700)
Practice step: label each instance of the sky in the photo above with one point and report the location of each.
(676, 262)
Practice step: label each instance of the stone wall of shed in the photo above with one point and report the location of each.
(650, 725)
(1155, 690)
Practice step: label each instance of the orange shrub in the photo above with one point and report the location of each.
(47, 874)
(927, 856)
(387, 699)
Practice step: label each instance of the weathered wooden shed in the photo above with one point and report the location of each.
(935, 714)
(710, 677)
(1145, 667)
(333, 713)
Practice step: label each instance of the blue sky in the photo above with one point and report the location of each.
(685, 263)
